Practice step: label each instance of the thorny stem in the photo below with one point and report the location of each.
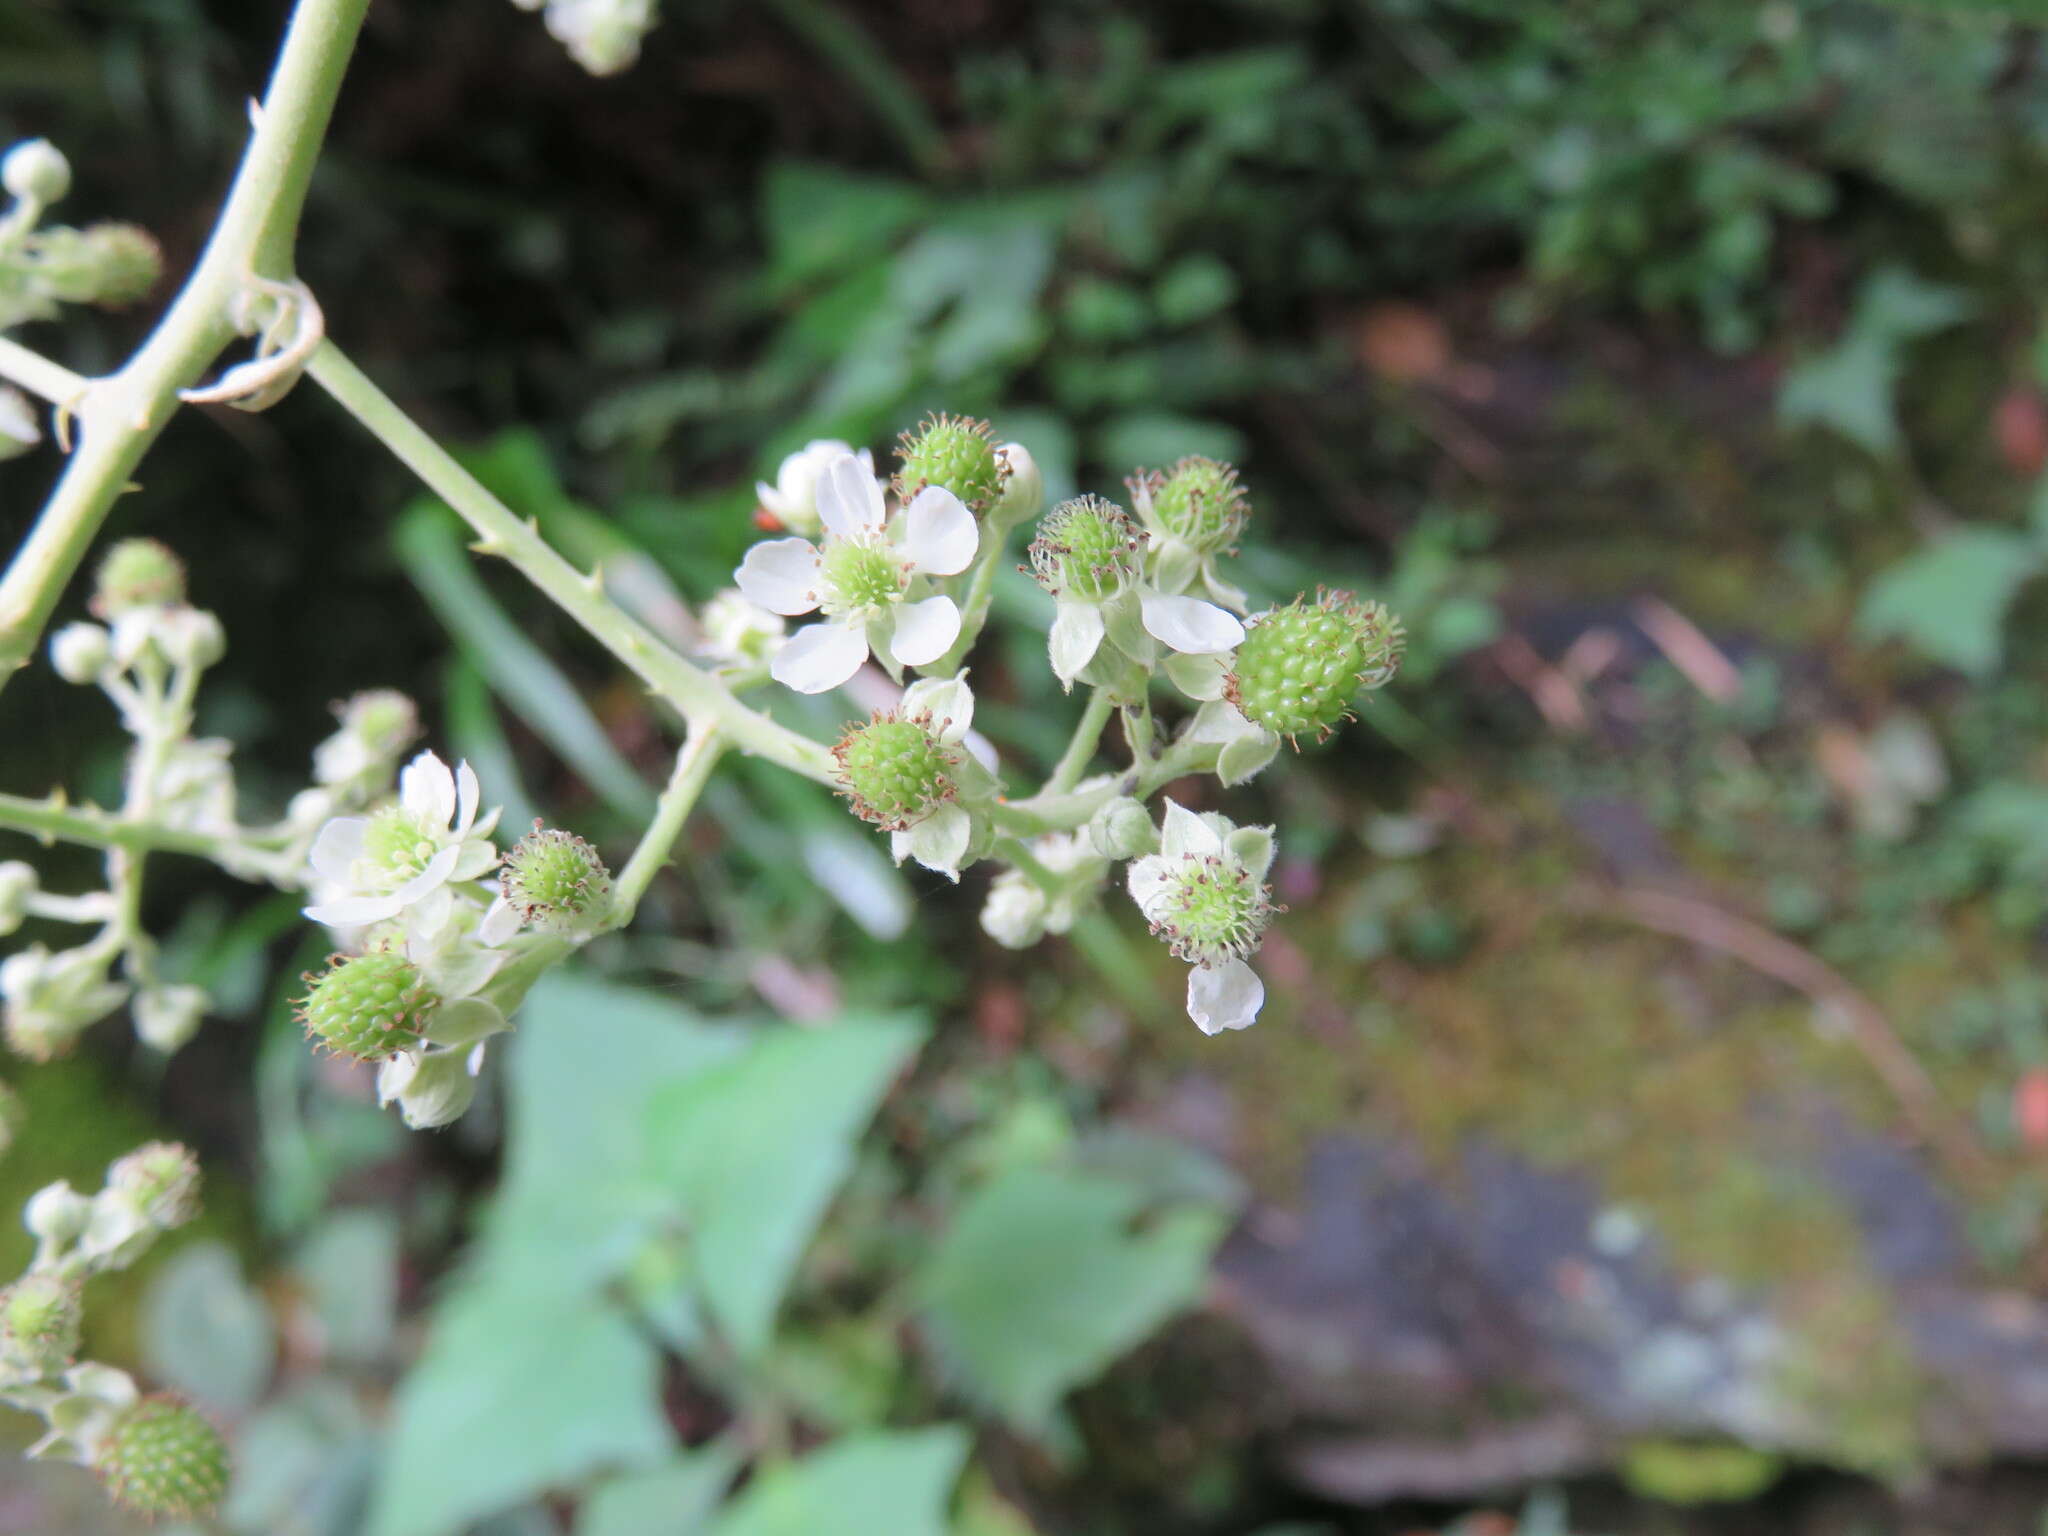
(699, 697)
(699, 755)
(120, 416)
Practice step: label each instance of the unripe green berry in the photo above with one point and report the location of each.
(163, 1458)
(1086, 550)
(35, 171)
(1198, 501)
(137, 573)
(1300, 666)
(860, 580)
(1212, 910)
(368, 1006)
(557, 881)
(955, 452)
(895, 770)
(40, 1319)
(161, 1180)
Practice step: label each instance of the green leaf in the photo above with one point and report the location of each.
(205, 1332)
(1949, 600)
(1044, 1278)
(754, 1148)
(579, 1191)
(670, 1500)
(1157, 438)
(821, 220)
(871, 1485)
(1849, 387)
(349, 1269)
(519, 1391)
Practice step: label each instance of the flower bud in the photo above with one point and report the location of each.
(556, 881)
(1300, 666)
(895, 770)
(40, 1319)
(432, 1088)
(53, 998)
(56, 1214)
(159, 1181)
(162, 1457)
(368, 1006)
(81, 652)
(601, 35)
(126, 263)
(1198, 502)
(1014, 914)
(791, 503)
(1087, 550)
(1023, 487)
(738, 630)
(137, 573)
(35, 171)
(957, 453)
(17, 884)
(20, 430)
(191, 638)
(166, 1017)
(1123, 829)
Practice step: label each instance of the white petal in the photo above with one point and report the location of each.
(1075, 638)
(338, 846)
(354, 911)
(1226, 996)
(1146, 880)
(430, 914)
(925, 631)
(938, 532)
(467, 795)
(1183, 834)
(427, 789)
(499, 924)
(780, 575)
(1190, 625)
(850, 498)
(984, 751)
(948, 700)
(899, 846)
(438, 869)
(819, 657)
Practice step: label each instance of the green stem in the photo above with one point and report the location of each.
(981, 586)
(54, 822)
(39, 376)
(1013, 851)
(699, 697)
(700, 754)
(1081, 749)
(121, 415)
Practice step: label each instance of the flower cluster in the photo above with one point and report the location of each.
(439, 953)
(1138, 600)
(43, 267)
(146, 648)
(157, 1455)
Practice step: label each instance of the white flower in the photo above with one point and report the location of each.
(861, 576)
(793, 498)
(1191, 626)
(942, 839)
(374, 867)
(1204, 892)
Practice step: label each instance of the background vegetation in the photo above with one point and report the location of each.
(1646, 1133)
